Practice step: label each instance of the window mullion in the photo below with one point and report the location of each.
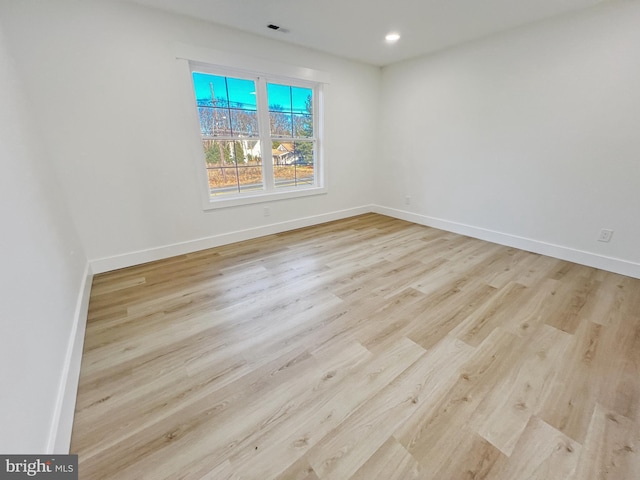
(318, 166)
(264, 127)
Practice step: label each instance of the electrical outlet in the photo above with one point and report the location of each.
(407, 199)
(605, 235)
(266, 211)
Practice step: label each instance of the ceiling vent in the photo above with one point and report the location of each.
(277, 28)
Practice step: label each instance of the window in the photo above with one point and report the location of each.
(260, 135)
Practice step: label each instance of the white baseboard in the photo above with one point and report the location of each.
(60, 434)
(610, 264)
(590, 259)
(106, 264)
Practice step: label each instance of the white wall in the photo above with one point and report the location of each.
(529, 137)
(43, 269)
(117, 106)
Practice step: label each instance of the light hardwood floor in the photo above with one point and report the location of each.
(368, 348)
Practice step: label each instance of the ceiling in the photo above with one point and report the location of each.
(355, 29)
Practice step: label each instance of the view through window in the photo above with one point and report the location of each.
(257, 135)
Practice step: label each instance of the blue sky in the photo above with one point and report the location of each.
(243, 91)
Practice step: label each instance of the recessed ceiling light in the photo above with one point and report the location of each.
(392, 37)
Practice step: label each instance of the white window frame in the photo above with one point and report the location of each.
(236, 66)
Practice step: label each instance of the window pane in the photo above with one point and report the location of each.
(206, 117)
(302, 100)
(293, 164)
(281, 124)
(226, 106)
(221, 122)
(233, 166)
(302, 125)
(207, 87)
(290, 110)
(214, 121)
(241, 93)
(244, 123)
(279, 97)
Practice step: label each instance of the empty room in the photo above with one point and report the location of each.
(284, 239)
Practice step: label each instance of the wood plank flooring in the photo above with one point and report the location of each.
(368, 348)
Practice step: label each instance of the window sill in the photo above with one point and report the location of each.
(248, 199)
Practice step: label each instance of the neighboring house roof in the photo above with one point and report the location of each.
(283, 150)
(287, 146)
